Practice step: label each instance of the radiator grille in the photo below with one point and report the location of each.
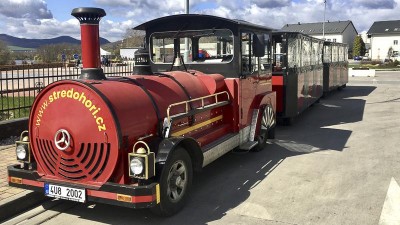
(86, 164)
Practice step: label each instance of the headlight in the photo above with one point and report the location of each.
(137, 166)
(141, 161)
(21, 152)
(22, 148)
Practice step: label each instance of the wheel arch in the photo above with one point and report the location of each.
(168, 146)
(268, 98)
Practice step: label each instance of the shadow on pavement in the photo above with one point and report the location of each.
(317, 129)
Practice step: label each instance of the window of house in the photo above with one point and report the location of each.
(395, 42)
(386, 29)
(334, 40)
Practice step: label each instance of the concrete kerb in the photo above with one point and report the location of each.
(16, 204)
(6, 147)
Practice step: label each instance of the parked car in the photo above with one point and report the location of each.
(357, 57)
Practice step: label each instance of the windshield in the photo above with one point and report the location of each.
(202, 46)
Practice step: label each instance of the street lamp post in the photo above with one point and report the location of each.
(186, 53)
(323, 23)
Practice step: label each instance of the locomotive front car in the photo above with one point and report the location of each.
(297, 73)
(201, 88)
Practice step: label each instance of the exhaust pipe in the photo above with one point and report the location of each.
(89, 19)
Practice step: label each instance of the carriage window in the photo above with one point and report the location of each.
(277, 52)
(266, 60)
(341, 54)
(306, 52)
(327, 54)
(315, 53)
(248, 62)
(335, 54)
(252, 64)
(203, 46)
(320, 50)
(164, 51)
(292, 50)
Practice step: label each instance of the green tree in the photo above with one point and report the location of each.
(52, 53)
(5, 54)
(390, 53)
(358, 46)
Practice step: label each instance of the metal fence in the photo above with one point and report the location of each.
(19, 85)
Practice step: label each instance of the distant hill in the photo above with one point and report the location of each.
(36, 43)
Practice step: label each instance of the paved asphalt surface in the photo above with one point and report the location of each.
(338, 164)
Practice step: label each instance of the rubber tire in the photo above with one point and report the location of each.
(166, 207)
(262, 138)
(261, 143)
(271, 133)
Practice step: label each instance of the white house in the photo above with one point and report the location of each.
(384, 37)
(128, 53)
(104, 52)
(336, 31)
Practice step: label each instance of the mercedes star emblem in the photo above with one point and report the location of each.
(62, 139)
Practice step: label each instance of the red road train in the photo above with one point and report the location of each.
(135, 141)
(305, 69)
(203, 87)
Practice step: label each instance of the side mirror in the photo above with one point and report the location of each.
(258, 45)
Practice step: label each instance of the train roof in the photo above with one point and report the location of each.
(183, 21)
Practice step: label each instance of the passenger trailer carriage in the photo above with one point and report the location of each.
(201, 88)
(305, 69)
(297, 73)
(335, 66)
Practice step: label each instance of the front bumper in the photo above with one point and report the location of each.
(109, 193)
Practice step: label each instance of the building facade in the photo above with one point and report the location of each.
(337, 31)
(384, 37)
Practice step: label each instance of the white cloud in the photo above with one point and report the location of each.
(375, 4)
(28, 9)
(272, 3)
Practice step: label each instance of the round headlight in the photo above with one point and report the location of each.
(137, 166)
(21, 152)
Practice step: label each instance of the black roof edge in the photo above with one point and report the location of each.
(150, 23)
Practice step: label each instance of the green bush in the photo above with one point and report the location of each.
(15, 107)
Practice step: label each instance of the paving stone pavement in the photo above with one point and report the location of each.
(7, 157)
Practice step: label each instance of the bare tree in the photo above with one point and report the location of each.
(133, 38)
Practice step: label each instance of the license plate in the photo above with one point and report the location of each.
(67, 193)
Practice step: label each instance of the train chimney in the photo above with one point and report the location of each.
(89, 19)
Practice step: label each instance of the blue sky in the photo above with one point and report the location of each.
(51, 18)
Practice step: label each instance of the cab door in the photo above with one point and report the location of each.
(254, 78)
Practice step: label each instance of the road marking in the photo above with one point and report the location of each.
(251, 210)
(391, 208)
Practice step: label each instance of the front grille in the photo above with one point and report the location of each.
(86, 164)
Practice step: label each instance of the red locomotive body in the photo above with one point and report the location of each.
(135, 141)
